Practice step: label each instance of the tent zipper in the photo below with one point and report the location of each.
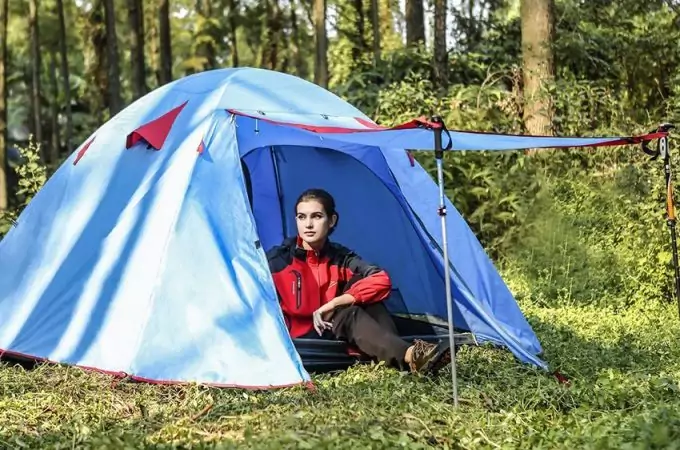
(298, 288)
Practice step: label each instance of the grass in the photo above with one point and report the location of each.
(624, 369)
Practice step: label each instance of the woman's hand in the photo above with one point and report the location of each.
(323, 314)
(320, 324)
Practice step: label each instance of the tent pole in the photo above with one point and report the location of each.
(671, 219)
(439, 155)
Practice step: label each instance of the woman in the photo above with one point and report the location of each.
(327, 290)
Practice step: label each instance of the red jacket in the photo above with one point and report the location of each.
(306, 280)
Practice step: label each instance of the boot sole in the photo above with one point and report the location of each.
(443, 361)
(439, 361)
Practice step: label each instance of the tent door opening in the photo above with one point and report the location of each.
(371, 222)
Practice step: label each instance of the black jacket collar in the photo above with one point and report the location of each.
(294, 245)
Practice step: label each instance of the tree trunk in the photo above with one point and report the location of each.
(166, 44)
(65, 76)
(321, 54)
(4, 13)
(206, 49)
(537, 58)
(99, 101)
(375, 21)
(35, 71)
(115, 100)
(55, 141)
(300, 69)
(136, 16)
(441, 57)
(359, 44)
(269, 52)
(282, 44)
(415, 23)
(151, 38)
(232, 16)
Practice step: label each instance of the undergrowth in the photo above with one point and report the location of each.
(623, 367)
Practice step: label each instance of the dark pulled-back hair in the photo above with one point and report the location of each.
(326, 200)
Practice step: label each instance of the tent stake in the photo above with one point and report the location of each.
(439, 155)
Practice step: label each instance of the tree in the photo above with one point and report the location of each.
(55, 141)
(375, 21)
(36, 66)
(65, 74)
(415, 23)
(440, 53)
(358, 35)
(272, 35)
(206, 35)
(300, 68)
(232, 15)
(115, 99)
(537, 18)
(136, 16)
(97, 69)
(165, 42)
(4, 14)
(321, 40)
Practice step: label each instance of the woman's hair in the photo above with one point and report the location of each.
(326, 200)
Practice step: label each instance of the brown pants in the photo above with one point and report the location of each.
(371, 329)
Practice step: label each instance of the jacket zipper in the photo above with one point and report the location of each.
(298, 288)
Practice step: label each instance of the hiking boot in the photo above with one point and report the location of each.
(429, 358)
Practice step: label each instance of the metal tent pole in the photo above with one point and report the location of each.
(671, 219)
(663, 150)
(439, 155)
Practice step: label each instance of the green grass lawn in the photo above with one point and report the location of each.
(624, 369)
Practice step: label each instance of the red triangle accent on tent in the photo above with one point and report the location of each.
(156, 131)
(369, 124)
(82, 151)
(201, 147)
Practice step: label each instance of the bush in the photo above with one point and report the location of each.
(596, 238)
(32, 175)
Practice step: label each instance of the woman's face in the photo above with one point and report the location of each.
(313, 223)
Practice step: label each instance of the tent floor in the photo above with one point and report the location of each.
(323, 355)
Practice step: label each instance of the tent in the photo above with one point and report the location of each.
(144, 255)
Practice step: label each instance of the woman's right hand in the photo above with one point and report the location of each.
(320, 325)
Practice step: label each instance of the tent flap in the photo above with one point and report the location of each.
(419, 135)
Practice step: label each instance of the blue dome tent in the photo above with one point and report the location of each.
(144, 254)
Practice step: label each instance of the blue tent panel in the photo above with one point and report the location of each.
(423, 139)
(263, 167)
(215, 287)
(475, 276)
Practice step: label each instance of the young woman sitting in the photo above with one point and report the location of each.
(328, 291)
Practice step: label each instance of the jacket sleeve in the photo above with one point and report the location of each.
(367, 283)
